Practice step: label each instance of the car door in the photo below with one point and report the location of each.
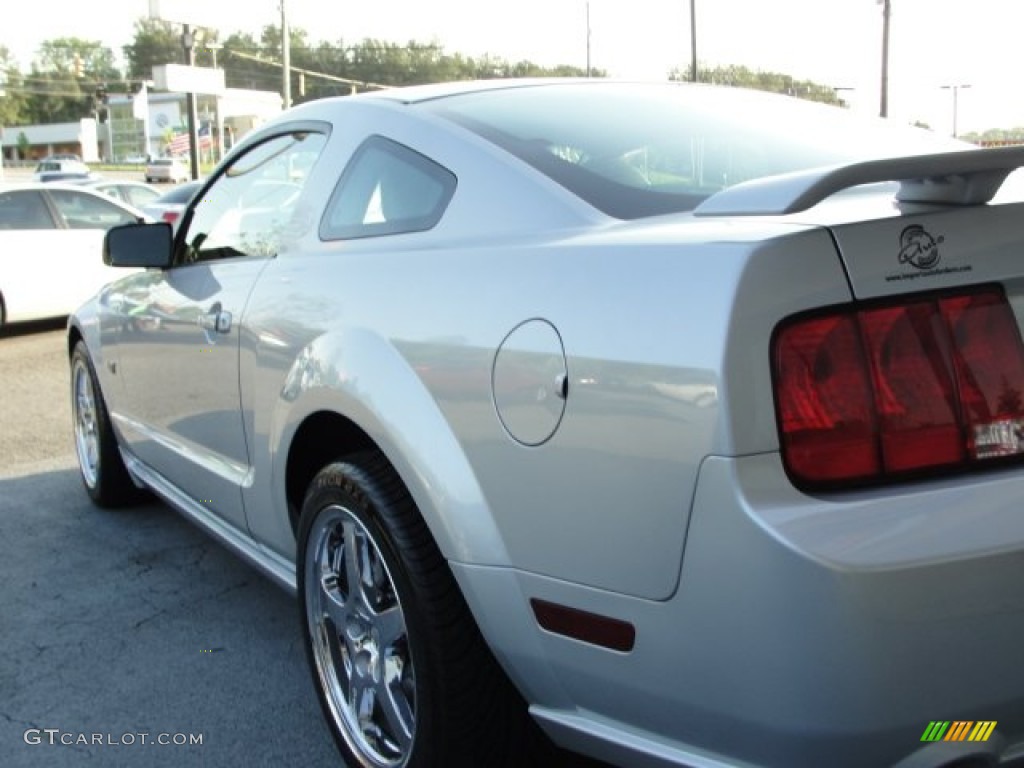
(51, 258)
(84, 218)
(179, 328)
(29, 240)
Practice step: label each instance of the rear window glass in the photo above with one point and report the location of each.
(635, 150)
(180, 194)
(24, 209)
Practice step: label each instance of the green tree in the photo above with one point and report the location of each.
(12, 94)
(1012, 135)
(90, 58)
(775, 82)
(65, 77)
(155, 42)
(241, 72)
(251, 62)
(369, 61)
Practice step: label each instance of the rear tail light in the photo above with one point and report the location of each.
(879, 392)
(170, 216)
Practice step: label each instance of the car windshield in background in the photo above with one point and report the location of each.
(641, 150)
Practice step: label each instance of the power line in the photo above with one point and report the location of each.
(62, 94)
(313, 73)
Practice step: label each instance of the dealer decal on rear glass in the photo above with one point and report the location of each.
(920, 249)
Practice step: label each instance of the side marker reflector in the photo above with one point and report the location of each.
(589, 627)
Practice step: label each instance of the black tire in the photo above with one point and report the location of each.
(99, 461)
(446, 693)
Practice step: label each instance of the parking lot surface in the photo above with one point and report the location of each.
(122, 629)
(127, 636)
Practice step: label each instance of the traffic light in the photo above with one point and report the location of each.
(99, 103)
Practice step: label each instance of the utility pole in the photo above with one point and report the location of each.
(286, 59)
(188, 42)
(883, 109)
(693, 41)
(588, 39)
(956, 90)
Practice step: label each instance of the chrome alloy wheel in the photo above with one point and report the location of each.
(359, 640)
(87, 437)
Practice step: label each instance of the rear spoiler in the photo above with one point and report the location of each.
(970, 177)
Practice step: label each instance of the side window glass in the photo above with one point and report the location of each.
(83, 211)
(250, 209)
(387, 189)
(138, 196)
(24, 210)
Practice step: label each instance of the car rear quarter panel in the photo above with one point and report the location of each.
(399, 334)
(402, 341)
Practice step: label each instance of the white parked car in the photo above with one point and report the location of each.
(51, 243)
(684, 422)
(61, 169)
(134, 193)
(167, 169)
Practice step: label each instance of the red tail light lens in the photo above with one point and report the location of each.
(990, 373)
(869, 394)
(913, 388)
(826, 410)
(170, 216)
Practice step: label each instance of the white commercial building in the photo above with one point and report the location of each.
(224, 119)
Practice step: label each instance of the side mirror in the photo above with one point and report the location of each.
(139, 245)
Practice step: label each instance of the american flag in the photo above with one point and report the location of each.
(180, 143)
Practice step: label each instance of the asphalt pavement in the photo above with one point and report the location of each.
(129, 638)
(119, 630)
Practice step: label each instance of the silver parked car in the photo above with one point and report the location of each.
(685, 423)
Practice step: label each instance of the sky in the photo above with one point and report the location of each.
(832, 42)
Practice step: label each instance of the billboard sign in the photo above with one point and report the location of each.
(178, 77)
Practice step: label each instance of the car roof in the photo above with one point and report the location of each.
(415, 93)
(112, 183)
(11, 185)
(47, 186)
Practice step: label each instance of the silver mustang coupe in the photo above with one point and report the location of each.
(684, 423)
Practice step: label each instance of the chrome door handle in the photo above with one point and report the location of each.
(216, 320)
(222, 323)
